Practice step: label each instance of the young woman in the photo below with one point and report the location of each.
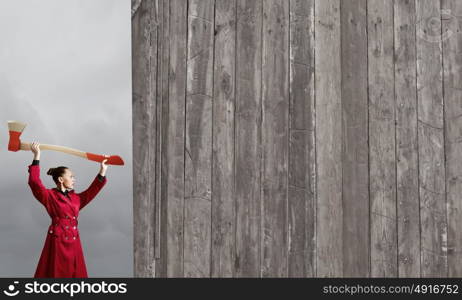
(62, 255)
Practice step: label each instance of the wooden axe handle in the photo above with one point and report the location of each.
(112, 160)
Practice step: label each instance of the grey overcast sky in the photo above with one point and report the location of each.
(65, 70)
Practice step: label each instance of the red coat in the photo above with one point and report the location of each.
(62, 254)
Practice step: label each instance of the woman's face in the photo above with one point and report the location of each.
(67, 179)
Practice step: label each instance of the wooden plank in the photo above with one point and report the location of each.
(452, 72)
(355, 160)
(174, 142)
(158, 137)
(382, 139)
(163, 121)
(431, 141)
(329, 214)
(407, 193)
(301, 206)
(144, 67)
(248, 137)
(198, 162)
(275, 136)
(223, 215)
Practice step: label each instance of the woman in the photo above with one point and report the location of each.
(62, 254)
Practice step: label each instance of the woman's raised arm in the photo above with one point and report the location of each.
(98, 182)
(39, 191)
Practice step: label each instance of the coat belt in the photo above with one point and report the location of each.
(66, 220)
(67, 225)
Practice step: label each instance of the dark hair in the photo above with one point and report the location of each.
(56, 172)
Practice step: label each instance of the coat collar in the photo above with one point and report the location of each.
(65, 192)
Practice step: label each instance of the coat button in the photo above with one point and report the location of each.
(51, 231)
(73, 217)
(74, 237)
(67, 227)
(74, 227)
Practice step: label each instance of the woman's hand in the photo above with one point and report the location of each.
(103, 168)
(34, 147)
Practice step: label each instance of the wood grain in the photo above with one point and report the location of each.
(223, 200)
(433, 221)
(198, 147)
(302, 171)
(300, 138)
(329, 212)
(407, 189)
(355, 159)
(275, 136)
(248, 137)
(144, 66)
(452, 79)
(382, 139)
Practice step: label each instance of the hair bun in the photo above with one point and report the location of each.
(50, 171)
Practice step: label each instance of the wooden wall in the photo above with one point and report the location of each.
(297, 138)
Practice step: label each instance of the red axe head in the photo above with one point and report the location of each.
(15, 128)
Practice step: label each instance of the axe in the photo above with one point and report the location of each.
(15, 128)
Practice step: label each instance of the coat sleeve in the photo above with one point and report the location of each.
(39, 191)
(91, 192)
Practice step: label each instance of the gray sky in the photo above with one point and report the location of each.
(65, 70)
